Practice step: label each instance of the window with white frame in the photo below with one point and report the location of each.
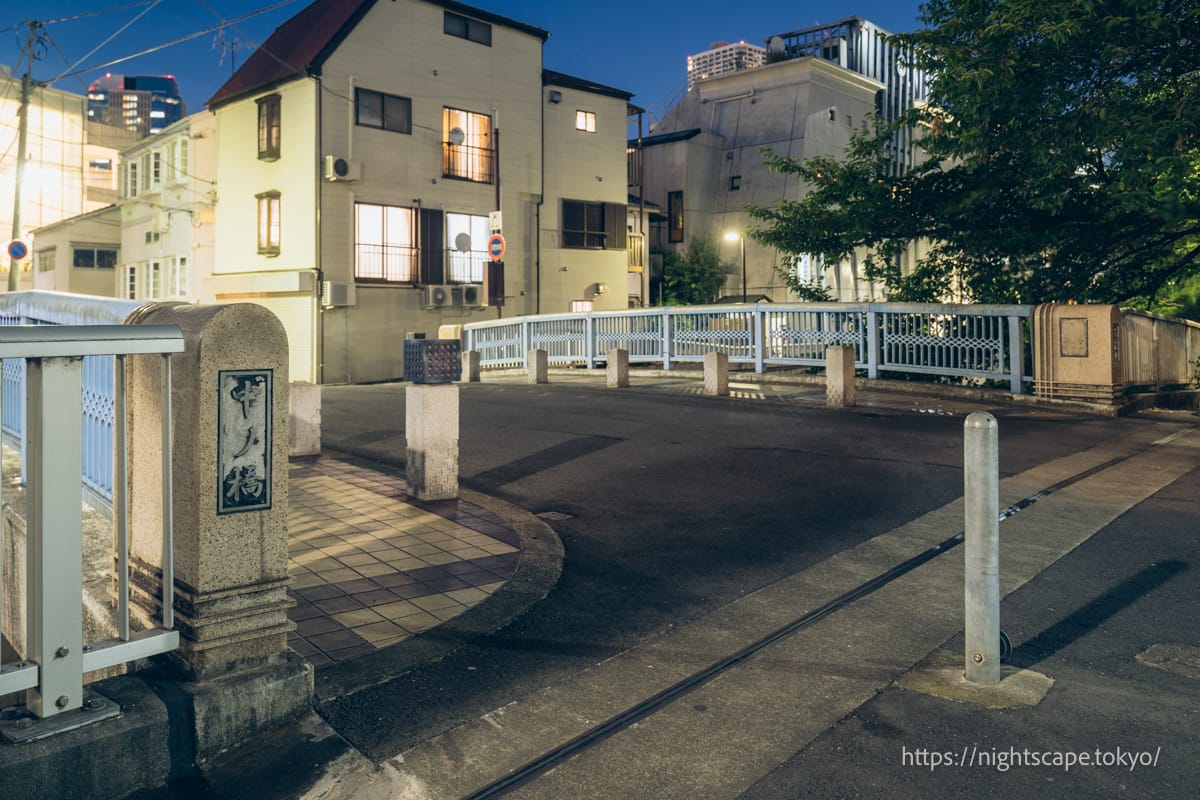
(131, 179)
(45, 259)
(384, 244)
(467, 145)
(153, 280)
(268, 223)
(131, 281)
(585, 121)
(466, 247)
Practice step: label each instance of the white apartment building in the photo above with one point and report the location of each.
(723, 58)
(361, 153)
(167, 220)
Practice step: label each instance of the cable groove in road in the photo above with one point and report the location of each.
(649, 706)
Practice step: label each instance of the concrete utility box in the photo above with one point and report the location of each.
(1077, 352)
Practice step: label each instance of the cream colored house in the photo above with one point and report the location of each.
(361, 153)
(79, 254)
(167, 219)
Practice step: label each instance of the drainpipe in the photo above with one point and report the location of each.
(537, 231)
(319, 333)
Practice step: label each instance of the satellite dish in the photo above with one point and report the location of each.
(775, 45)
(457, 136)
(462, 243)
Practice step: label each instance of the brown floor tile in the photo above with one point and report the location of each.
(336, 605)
(336, 640)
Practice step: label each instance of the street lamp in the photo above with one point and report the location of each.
(741, 240)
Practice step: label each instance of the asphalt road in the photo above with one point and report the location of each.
(668, 505)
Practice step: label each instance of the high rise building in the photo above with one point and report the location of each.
(144, 104)
(722, 58)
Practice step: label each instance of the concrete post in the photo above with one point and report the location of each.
(230, 440)
(839, 376)
(470, 366)
(431, 430)
(716, 374)
(538, 367)
(304, 419)
(617, 368)
(981, 538)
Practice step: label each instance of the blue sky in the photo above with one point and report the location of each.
(636, 46)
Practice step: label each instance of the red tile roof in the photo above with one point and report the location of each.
(297, 47)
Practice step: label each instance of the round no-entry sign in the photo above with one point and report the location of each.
(496, 247)
(17, 250)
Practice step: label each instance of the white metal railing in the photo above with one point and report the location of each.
(56, 657)
(57, 308)
(981, 341)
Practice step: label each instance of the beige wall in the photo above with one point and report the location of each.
(585, 166)
(98, 229)
(784, 107)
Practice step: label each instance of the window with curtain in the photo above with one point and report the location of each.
(466, 247)
(467, 149)
(269, 127)
(384, 244)
(268, 223)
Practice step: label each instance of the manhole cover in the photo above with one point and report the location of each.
(555, 516)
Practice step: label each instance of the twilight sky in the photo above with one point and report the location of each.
(633, 45)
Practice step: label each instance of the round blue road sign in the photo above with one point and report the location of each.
(495, 247)
(17, 250)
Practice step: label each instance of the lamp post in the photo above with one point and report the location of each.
(741, 240)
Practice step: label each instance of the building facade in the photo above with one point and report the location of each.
(143, 104)
(71, 165)
(361, 153)
(79, 254)
(168, 191)
(722, 58)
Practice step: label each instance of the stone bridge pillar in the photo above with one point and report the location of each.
(230, 440)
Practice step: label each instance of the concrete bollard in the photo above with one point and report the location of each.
(839, 376)
(716, 374)
(981, 539)
(618, 368)
(304, 419)
(470, 366)
(537, 367)
(431, 430)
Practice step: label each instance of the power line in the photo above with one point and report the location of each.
(149, 7)
(173, 42)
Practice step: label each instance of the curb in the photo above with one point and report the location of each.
(536, 574)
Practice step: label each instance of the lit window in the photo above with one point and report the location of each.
(269, 127)
(466, 247)
(379, 110)
(268, 223)
(384, 244)
(585, 121)
(467, 28)
(467, 145)
(675, 217)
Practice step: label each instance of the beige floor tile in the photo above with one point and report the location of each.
(439, 558)
(435, 601)
(374, 545)
(321, 564)
(306, 580)
(389, 642)
(398, 610)
(448, 613)
(339, 575)
(358, 559)
(422, 549)
(377, 632)
(419, 622)
(357, 617)
(371, 570)
(467, 596)
(491, 588)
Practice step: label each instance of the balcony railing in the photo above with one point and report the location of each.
(468, 163)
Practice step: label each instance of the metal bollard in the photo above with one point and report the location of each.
(981, 539)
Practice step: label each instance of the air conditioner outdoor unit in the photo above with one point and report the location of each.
(439, 296)
(335, 294)
(472, 295)
(342, 169)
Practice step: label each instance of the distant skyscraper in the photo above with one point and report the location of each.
(144, 103)
(722, 58)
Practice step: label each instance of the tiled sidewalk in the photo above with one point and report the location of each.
(371, 567)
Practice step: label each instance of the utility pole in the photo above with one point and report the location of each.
(14, 275)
